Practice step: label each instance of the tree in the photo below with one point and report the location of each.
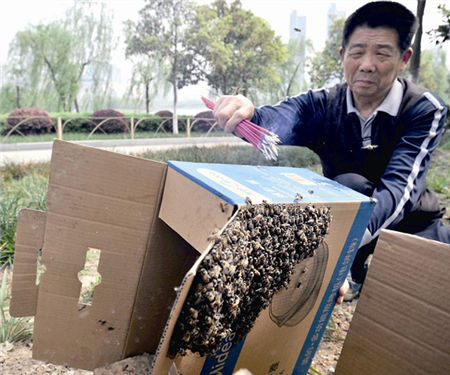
(161, 31)
(325, 67)
(290, 72)
(434, 74)
(234, 48)
(52, 60)
(9, 98)
(93, 41)
(147, 77)
(415, 58)
(44, 49)
(442, 32)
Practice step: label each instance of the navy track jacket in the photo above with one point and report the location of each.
(398, 163)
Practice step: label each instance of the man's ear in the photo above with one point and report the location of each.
(407, 55)
(341, 54)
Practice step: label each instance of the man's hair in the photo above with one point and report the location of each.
(383, 14)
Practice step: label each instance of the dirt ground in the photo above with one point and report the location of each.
(15, 359)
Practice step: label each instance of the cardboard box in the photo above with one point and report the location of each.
(402, 321)
(108, 201)
(200, 199)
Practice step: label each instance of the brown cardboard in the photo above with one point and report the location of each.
(268, 347)
(182, 210)
(402, 321)
(29, 240)
(161, 363)
(107, 201)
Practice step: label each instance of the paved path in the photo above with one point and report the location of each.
(41, 151)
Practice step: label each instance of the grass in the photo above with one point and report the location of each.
(19, 188)
(11, 329)
(100, 136)
(288, 156)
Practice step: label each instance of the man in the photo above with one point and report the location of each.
(375, 133)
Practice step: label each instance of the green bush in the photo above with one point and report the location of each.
(74, 122)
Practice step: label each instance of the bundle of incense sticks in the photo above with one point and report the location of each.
(264, 140)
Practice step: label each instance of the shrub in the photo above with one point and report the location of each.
(147, 123)
(165, 114)
(75, 122)
(115, 121)
(36, 121)
(203, 121)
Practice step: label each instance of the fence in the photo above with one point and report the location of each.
(131, 124)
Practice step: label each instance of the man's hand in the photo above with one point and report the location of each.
(342, 291)
(231, 110)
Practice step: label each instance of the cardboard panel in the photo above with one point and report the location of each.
(29, 240)
(168, 259)
(102, 200)
(402, 321)
(162, 364)
(182, 211)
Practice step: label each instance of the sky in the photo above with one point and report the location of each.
(17, 15)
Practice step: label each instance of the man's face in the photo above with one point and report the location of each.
(372, 61)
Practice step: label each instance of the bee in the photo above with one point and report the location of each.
(298, 197)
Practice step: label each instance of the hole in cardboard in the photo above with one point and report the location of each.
(40, 267)
(89, 276)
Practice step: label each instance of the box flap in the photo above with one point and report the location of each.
(29, 241)
(167, 261)
(162, 363)
(401, 323)
(193, 212)
(96, 200)
(235, 183)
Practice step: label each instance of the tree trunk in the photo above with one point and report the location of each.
(147, 98)
(76, 105)
(18, 96)
(175, 100)
(291, 80)
(415, 58)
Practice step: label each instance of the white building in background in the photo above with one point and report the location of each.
(297, 22)
(297, 31)
(333, 11)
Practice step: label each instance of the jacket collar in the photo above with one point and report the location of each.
(390, 104)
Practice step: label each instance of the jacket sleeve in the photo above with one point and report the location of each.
(405, 175)
(297, 119)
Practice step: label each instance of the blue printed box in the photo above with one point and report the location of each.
(200, 199)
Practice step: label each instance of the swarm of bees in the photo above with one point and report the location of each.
(253, 258)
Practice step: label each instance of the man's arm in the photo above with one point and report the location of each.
(292, 119)
(405, 175)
